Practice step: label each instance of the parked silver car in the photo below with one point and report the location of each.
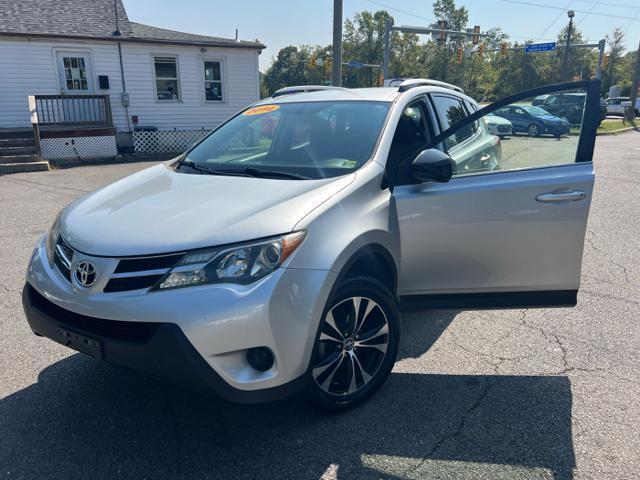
(618, 105)
(275, 256)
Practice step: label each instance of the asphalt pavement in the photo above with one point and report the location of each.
(513, 394)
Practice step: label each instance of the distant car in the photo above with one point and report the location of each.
(618, 105)
(499, 126)
(539, 100)
(566, 105)
(533, 121)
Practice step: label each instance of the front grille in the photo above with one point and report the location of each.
(504, 128)
(62, 256)
(123, 284)
(141, 272)
(125, 331)
(147, 263)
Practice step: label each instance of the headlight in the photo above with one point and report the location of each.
(52, 237)
(239, 264)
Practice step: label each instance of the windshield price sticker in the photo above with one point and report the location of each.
(261, 109)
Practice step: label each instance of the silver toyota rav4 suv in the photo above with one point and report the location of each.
(276, 255)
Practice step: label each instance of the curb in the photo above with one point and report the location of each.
(616, 132)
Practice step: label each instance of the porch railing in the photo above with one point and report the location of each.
(73, 110)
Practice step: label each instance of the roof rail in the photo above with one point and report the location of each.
(422, 82)
(302, 89)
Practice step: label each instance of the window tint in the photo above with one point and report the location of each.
(450, 111)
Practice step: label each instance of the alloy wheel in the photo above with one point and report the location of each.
(353, 342)
(534, 130)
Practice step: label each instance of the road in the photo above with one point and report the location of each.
(515, 394)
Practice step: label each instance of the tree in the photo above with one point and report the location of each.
(287, 69)
(613, 72)
(457, 19)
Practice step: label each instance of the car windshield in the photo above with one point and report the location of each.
(307, 140)
(537, 111)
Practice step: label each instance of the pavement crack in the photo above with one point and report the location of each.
(589, 238)
(459, 428)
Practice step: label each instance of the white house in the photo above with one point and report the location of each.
(149, 76)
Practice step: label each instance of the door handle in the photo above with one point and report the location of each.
(566, 196)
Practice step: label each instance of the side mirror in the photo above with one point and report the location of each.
(432, 165)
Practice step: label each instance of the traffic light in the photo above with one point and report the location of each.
(460, 54)
(481, 50)
(442, 35)
(475, 38)
(503, 48)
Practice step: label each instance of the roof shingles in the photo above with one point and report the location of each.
(92, 19)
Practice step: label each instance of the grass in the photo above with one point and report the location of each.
(609, 125)
(613, 125)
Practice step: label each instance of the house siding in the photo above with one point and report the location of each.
(27, 67)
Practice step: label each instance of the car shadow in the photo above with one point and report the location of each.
(87, 419)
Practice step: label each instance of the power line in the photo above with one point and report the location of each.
(594, 5)
(554, 21)
(635, 16)
(521, 2)
(400, 11)
(609, 4)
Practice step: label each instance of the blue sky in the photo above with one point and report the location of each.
(279, 23)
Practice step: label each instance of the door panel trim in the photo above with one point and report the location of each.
(489, 300)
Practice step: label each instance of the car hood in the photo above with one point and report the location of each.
(551, 119)
(159, 210)
(496, 120)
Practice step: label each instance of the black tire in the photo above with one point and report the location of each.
(533, 130)
(386, 309)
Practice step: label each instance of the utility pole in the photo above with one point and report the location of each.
(635, 84)
(387, 41)
(336, 66)
(601, 46)
(565, 62)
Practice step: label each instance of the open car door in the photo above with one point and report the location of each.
(507, 230)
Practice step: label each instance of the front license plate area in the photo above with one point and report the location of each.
(80, 342)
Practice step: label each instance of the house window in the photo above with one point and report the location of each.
(167, 82)
(75, 73)
(212, 81)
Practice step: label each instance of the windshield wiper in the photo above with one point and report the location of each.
(213, 171)
(254, 172)
(245, 172)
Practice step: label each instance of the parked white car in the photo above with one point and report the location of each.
(498, 126)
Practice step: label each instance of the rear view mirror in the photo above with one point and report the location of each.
(432, 166)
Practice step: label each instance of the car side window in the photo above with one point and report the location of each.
(518, 136)
(450, 111)
(410, 138)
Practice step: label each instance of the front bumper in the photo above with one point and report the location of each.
(165, 354)
(557, 129)
(196, 337)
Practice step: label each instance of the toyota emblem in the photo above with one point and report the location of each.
(85, 273)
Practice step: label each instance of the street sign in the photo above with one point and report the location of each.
(539, 47)
(355, 64)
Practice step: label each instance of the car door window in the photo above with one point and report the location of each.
(450, 111)
(410, 138)
(538, 139)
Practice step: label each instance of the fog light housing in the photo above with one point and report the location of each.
(260, 358)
